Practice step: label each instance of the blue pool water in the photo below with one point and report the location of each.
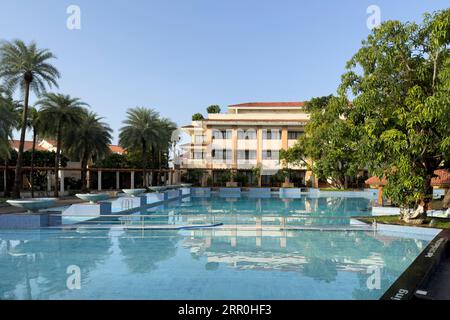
(237, 260)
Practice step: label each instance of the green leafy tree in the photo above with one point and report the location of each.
(400, 80)
(163, 144)
(329, 144)
(88, 142)
(26, 67)
(197, 117)
(213, 109)
(58, 115)
(113, 160)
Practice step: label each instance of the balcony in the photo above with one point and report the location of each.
(247, 144)
(194, 163)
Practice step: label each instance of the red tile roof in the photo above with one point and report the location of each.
(50, 141)
(375, 181)
(442, 179)
(116, 149)
(269, 104)
(28, 145)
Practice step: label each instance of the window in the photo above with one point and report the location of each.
(271, 134)
(270, 155)
(219, 154)
(246, 154)
(221, 134)
(249, 134)
(293, 135)
(199, 139)
(198, 155)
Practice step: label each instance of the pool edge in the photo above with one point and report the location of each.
(417, 275)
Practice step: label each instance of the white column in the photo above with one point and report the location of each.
(49, 181)
(132, 180)
(88, 178)
(99, 181)
(61, 182)
(117, 180)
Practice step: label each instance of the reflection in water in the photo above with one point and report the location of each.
(202, 263)
(142, 256)
(252, 256)
(36, 268)
(317, 255)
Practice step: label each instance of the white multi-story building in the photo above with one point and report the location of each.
(248, 136)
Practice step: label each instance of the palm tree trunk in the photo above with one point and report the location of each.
(18, 171)
(57, 158)
(84, 173)
(144, 164)
(6, 192)
(32, 163)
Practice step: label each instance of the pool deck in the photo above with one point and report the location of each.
(438, 287)
(427, 278)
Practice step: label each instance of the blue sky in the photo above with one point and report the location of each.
(179, 56)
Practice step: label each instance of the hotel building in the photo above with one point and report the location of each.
(247, 136)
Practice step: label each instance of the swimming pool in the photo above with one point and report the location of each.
(262, 250)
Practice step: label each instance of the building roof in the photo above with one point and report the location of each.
(375, 181)
(269, 104)
(442, 179)
(27, 146)
(116, 149)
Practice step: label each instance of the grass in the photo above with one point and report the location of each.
(440, 223)
(3, 200)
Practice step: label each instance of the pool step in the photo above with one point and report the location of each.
(135, 227)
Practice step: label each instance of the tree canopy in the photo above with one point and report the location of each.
(400, 81)
(197, 117)
(213, 109)
(329, 144)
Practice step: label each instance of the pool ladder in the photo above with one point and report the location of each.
(126, 204)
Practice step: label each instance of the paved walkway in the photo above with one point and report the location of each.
(6, 208)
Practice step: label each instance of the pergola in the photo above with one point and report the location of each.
(172, 176)
(376, 182)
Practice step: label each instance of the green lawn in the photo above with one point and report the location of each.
(440, 223)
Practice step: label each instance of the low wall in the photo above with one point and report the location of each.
(30, 220)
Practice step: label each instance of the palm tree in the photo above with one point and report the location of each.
(166, 127)
(88, 141)
(139, 133)
(32, 124)
(26, 67)
(59, 113)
